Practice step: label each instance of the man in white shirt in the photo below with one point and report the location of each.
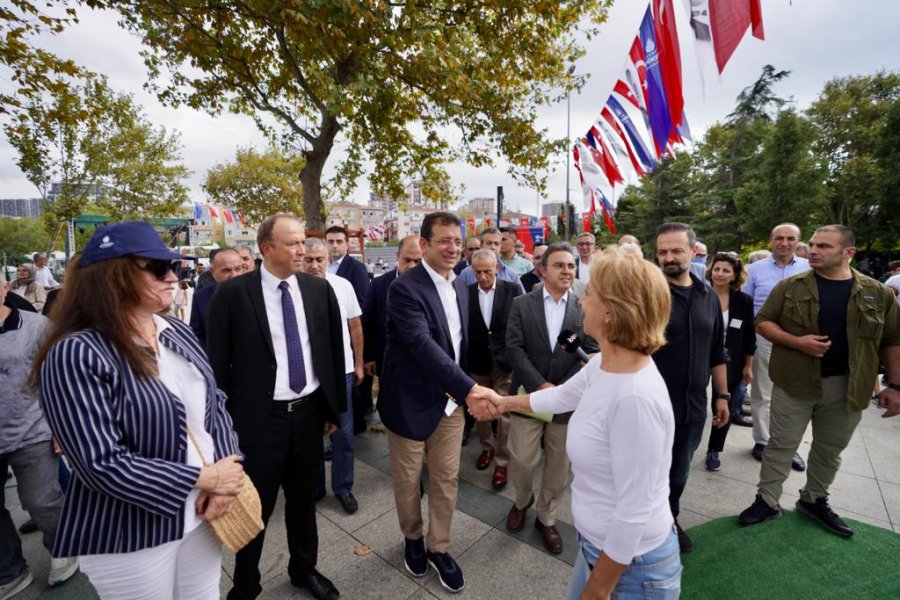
(586, 244)
(539, 362)
(315, 261)
(42, 274)
(893, 281)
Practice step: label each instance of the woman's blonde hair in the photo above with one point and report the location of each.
(637, 297)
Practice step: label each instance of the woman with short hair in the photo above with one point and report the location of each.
(131, 398)
(620, 437)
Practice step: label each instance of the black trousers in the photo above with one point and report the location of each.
(362, 403)
(286, 457)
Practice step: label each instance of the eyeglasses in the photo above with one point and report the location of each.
(448, 242)
(585, 244)
(160, 268)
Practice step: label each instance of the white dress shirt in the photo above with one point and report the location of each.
(350, 309)
(333, 266)
(274, 315)
(447, 294)
(584, 270)
(486, 303)
(554, 314)
(185, 381)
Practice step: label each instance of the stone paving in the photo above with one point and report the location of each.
(500, 565)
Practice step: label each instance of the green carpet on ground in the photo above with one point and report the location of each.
(791, 557)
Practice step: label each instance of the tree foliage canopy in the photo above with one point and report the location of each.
(93, 139)
(257, 184)
(387, 75)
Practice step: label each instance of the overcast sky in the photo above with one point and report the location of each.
(816, 40)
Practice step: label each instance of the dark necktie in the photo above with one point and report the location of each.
(296, 366)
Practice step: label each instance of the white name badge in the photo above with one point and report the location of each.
(736, 323)
(450, 408)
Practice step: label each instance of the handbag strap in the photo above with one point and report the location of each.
(197, 446)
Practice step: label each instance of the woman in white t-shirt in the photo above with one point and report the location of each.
(620, 437)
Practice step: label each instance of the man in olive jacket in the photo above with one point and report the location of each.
(827, 327)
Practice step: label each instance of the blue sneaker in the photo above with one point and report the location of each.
(414, 557)
(448, 571)
(712, 461)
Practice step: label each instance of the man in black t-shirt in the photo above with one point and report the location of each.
(827, 327)
(695, 348)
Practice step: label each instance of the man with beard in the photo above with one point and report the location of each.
(695, 348)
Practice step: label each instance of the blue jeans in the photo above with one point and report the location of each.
(36, 469)
(687, 438)
(654, 575)
(342, 451)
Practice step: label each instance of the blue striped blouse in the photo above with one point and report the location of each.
(126, 439)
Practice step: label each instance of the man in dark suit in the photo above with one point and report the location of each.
(409, 254)
(490, 302)
(472, 244)
(423, 391)
(343, 265)
(224, 265)
(539, 362)
(274, 340)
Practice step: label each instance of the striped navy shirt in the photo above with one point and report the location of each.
(126, 439)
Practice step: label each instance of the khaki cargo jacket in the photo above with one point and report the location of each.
(873, 322)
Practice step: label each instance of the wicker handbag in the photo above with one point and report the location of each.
(237, 528)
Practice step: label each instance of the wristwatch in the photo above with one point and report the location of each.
(894, 386)
(723, 396)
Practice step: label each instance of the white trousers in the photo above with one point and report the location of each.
(761, 390)
(188, 568)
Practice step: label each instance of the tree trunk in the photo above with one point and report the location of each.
(311, 174)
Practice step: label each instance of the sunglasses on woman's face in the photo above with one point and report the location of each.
(160, 268)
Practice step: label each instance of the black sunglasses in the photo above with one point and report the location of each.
(160, 268)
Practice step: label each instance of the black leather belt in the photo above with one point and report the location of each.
(291, 405)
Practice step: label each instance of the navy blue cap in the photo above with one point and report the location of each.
(130, 238)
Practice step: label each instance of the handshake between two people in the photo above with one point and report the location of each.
(485, 404)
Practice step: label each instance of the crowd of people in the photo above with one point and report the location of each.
(596, 360)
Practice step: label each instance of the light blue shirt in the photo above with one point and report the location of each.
(505, 273)
(519, 265)
(554, 314)
(764, 274)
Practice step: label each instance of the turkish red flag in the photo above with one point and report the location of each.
(729, 20)
(669, 57)
(586, 220)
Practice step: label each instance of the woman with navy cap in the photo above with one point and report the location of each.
(124, 389)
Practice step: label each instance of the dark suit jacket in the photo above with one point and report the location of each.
(199, 305)
(740, 341)
(206, 279)
(420, 373)
(239, 345)
(528, 345)
(375, 319)
(356, 273)
(488, 347)
(460, 266)
(529, 280)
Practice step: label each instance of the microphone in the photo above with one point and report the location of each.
(570, 341)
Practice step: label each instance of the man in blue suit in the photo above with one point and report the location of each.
(423, 390)
(224, 265)
(409, 255)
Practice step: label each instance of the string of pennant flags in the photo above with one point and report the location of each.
(643, 119)
(210, 212)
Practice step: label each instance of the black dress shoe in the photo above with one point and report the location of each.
(741, 420)
(28, 526)
(348, 501)
(318, 585)
(758, 512)
(757, 451)
(797, 463)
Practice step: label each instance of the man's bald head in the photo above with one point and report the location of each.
(226, 264)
